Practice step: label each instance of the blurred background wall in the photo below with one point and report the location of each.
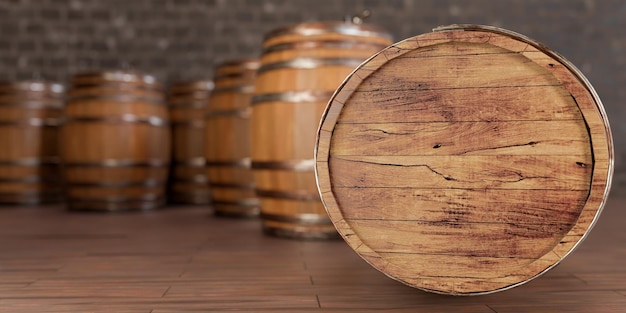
(183, 39)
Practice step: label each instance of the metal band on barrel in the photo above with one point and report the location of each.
(121, 184)
(291, 165)
(312, 29)
(199, 104)
(297, 195)
(242, 163)
(199, 123)
(37, 87)
(197, 179)
(104, 77)
(49, 161)
(126, 118)
(249, 73)
(325, 44)
(29, 180)
(250, 202)
(36, 122)
(241, 113)
(119, 98)
(191, 87)
(192, 162)
(293, 96)
(248, 64)
(236, 88)
(31, 196)
(232, 186)
(147, 197)
(99, 205)
(120, 163)
(301, 219)
(311, 63)
(44, 103)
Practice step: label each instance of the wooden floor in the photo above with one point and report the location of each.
(182, 259)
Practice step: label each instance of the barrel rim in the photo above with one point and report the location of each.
(115, 75)
(191, 86)
(598, 192)
(33, 85)
(244, 63)
(324, 27)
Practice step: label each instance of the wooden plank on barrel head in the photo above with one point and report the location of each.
(465, 161)
(462, 138)
(498, 172)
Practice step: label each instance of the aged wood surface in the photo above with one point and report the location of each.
(188, 181)
(227, 138)
(301, 66)
(464, 161)
(183, 259)
(115, 142)
(30, 115)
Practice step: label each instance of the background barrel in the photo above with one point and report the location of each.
(188, 177)
(30, 113)
(228, 139)
(301, 66)
(115, 142)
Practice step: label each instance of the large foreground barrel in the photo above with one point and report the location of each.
(228, 139)
(30, 113)
(188, 179)
(465, 161)
(115, 142)
(301, 66)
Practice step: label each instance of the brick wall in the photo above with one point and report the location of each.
(183, 39)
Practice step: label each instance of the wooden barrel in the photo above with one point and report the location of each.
(227, 148)
(30, 115)
(464, 161)
(301, 66)
(115, 142)
(188, 178)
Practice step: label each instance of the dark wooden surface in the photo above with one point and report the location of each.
(182, 259)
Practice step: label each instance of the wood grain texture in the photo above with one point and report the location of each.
(464, 161)
(227, 139)
(115, 142)
(300, 68)
(30, 116)
(183, 259)
(188, 183)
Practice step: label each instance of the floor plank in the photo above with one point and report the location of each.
(183, 259)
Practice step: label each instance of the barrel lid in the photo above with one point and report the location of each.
(319, 28)
(464, 161)
(236, 68)
(114, 76)
(248, 64)
(192, 85)
(33, 85)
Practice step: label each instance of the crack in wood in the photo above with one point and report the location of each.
(405, 165)
(531, 143)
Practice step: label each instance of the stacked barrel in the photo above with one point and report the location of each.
(115, 142)
(228, 139)
(188, 178)
(30, 115)
(301, 66)
(241, 143)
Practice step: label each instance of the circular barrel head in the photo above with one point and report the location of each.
(464, 161)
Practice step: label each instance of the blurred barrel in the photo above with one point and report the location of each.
(228, 139)
(301, 66)
(115, 142)
(188, 178)
(30, 113)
